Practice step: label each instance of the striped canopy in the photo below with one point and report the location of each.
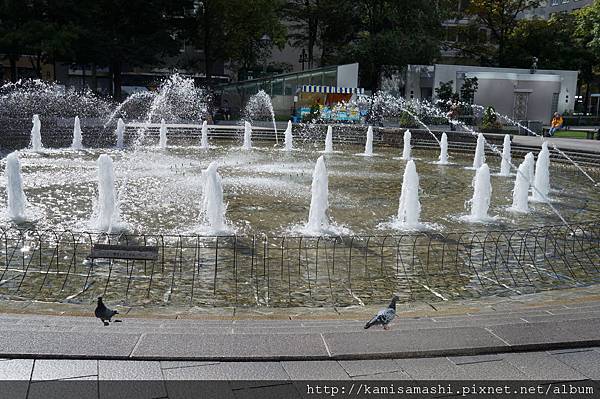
(332, 89)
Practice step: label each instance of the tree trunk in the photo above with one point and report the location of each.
(116, 73)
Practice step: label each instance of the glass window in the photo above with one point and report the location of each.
(330, 78)
(289, 85)
(277, 87)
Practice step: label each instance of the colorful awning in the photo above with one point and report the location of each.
(332, 89)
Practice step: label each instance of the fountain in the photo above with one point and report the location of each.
(407, 149)
(120, 132)
(247, 136)
(36, 136)
(329, 140)
(479, 158)
(204, 139)
(521, 190)
(409, 209)
(542, 175)
(443, 159)
(506, 157)
(77, 139)
(482, 194)
(260, 105)
(108, 217)
(17, 202)
(369, 143)
(530, 162)
(318, 221)
(162, 141)
(212, 211)
(288, 137)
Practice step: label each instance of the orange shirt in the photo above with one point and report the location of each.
(557, 121)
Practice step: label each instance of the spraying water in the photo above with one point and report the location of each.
(409, 209)
(369, 143)
(289, 146)
(77, 136)
(329, 140)
(407, 148)
(482, 195)
(36, 136)
(247, 136)
(120, 132)
(319, 203)
(542, 175)
(506, 157)
(530, 162)
(479, 158)
(521, 190)
(17, 202)
(108, 213)
(162, 141)
(212, 212)
(204, 139)
(260, 105)
(443, 159)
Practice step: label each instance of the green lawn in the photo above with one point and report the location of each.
(571, 134)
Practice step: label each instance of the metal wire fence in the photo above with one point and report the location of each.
(297, 271)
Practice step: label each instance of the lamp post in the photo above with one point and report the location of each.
(303, 58)
(265, 41)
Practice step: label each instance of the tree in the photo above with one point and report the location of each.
(468, 90)
(392, 34)
(131, 33)
(245, 24)
(500, 18)
(305, 17)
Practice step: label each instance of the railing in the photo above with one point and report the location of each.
(298, 271)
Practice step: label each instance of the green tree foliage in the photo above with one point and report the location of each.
(490, 122)
(500, 18)
(468, 90)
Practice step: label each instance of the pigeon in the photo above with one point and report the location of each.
(104, 313)
(384, 316)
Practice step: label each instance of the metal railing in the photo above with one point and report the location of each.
(54, 265)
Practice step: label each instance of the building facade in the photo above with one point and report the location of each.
(517, 93)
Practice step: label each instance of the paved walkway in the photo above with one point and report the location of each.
(99, 378)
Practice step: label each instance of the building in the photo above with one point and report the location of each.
(285, 88)
(517, 93)
(549, 7)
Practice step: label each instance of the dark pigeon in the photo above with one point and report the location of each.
(104, 313)
(384, 316)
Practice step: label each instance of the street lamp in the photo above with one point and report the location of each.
(303, 58)
(265, 41)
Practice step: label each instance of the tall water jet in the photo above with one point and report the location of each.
(521, 190)
(108, 215)
(530, 162)
(212, 212)
(369, 143)
(542, 175)
(162, 141)
(319, 203)
(482, 195)
(120, 132)
(36, 136)
(409, 209)
(407, 148)
(17, 203)
(329, 140)
(443, 159)
(289, 146)
(204, 138)
(506, 157)
(77, 136)
(479, 158)
(247, 136)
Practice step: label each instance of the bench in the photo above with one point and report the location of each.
(129, 252)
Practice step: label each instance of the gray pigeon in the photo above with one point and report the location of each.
(104, 313)
(384, 316)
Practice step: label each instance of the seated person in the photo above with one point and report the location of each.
(556, 124)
